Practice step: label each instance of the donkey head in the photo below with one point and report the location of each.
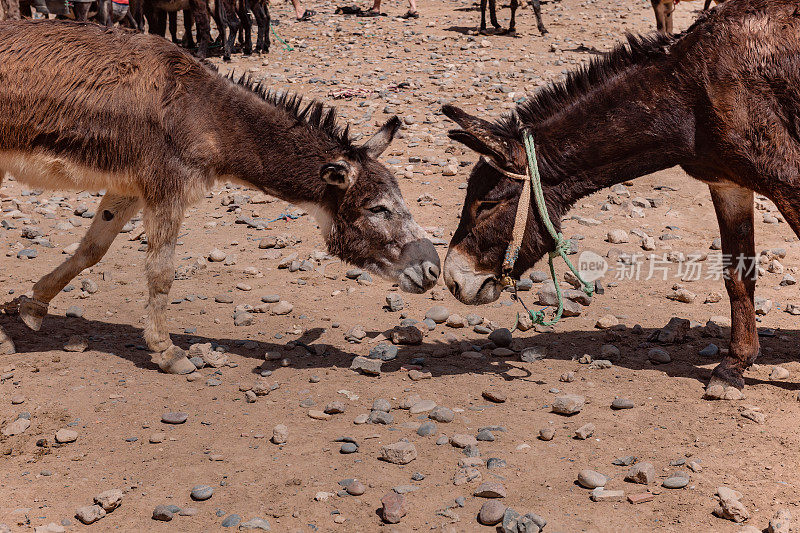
(474, 262)
(367, 223)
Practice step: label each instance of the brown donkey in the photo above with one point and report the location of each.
(142, 119)
(722, 101)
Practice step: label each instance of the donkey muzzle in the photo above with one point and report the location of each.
(419, 266)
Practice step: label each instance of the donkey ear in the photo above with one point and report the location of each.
(477, 134)
(339, 174)
(381, 140)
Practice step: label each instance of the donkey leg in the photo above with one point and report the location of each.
(483, 17)
(162, 222)
(734, 207)
(537, 10)
(112, 213)
(512, 25)
(708, 4)
(6, 344)
(247, 26)
(669, 7)
(493, 14)
(661, 15)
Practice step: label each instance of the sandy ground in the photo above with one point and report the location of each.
(114, 397)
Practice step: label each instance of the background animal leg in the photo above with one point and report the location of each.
(734, 207)
(112, 214)
(537, 10)
(493, 14)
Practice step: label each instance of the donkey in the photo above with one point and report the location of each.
(235, 15)
(155, 128)
(512, 25)
(722, 101)
(159, 12)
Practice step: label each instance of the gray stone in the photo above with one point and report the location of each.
(109, 499)
(381, 404)
(399, 453)
(255, 523)
(383, 351)
(491, 513)
(658, 356)
(232, 520)
(162, 513)
(90, 514)
(622, 403)
(591, 480)
(394, 302)
(380, 417)
(490, 489)
(348, 447)
(585, 431)
(442, 414)
(427, 428)
(438, 314)
(568, 404)
(533, 353)
(366, 366)
(201, 492)
(643, 473)
(176, 417)
(501, 337)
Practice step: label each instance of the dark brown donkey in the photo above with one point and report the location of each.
(148, 123)
(722, 101)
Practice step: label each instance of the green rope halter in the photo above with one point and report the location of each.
(534, 181)
(286, 46)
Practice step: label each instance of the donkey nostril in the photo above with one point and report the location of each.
(455, 288)
(431, 271)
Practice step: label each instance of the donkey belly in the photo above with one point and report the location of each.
(44, 171)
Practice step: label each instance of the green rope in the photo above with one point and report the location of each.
(562, 244)
(286, 46)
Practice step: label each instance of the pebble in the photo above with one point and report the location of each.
(400, 453)
(658, 356)
(676, 481)
(381, 404)
(162, 513)
(90, 514)
(16, 427)
(255, 524)
(568, 404)
(496, 396)
(533, 353)
(643, 473)
(231, 520)
(393, 507)
(427, 428)
(158, 437)
(622, 403)
(547, 434)
(282, 308)
(109, 499)
(17, 399)
(606, 322)
(591, 480)
(462, 441)
(491, 513)
(176, 417)
(201, 492)
(442, 414)
(422, 406)
(490, 489)
(366, 366)
(280, 434)
(438, 313)
(65, 436)
(76, 343)
(778, 373)
(501, 337)
(585, 431)
(355, 488)
(348, 447)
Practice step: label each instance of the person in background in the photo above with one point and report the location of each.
(375, 10)
(300, 13)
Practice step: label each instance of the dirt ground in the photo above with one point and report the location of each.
(371, 68)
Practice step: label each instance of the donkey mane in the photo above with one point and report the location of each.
(313, 114)
(556, 96)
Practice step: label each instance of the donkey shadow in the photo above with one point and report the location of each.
(440, 358)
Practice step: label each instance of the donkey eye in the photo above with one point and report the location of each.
(484, 207)
(379, 209)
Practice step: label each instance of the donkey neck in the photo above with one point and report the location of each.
(273, 151)
(636, 123)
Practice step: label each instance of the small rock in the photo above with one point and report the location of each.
(643, 473)
(201, 492)
(438, 314)
(400, 453)
(501, 337)
(547, 433)
(355, 488)
(109, 499)
(393, 508)
(231, 520)
(176, 417)
(496, 396)
(90, 514)
(255, 524)
(442, 414)
(591, 480)
(65, 436)
(622, 403)
(490, 489)
(280, 434)
(462, 441)
(779, 373)
(568, 404)
(491, 513)
(162, 513)
(585, 431)
(76, 343)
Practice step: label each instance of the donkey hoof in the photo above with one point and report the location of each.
(6, 344)
(719, 389)
(174, 361)
(32, 312)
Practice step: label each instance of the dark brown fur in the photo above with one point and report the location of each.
(722, 101)
(142, 119)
